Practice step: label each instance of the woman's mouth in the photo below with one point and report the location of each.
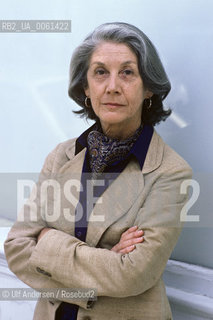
(113, 104)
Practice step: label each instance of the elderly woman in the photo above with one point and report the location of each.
(116, 239)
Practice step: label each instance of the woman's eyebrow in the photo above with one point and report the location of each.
(98, 62)
(123, 63)
(128, 62)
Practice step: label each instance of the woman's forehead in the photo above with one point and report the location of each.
(110, 51)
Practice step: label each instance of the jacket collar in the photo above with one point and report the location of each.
(153, 158)
(154, 155)
(113, 199)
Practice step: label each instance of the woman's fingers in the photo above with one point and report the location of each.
(132, 229)
(127, 246)
(128, 240)
(128, 249)
(131, 247)
(132, 234)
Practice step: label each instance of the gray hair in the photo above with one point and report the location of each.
(149, 64)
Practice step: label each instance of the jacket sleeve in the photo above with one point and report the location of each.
(22, 241)
(110, 273)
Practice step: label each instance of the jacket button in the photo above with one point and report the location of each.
(90, 304)
(43, 272)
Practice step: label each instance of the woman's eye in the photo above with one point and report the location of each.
(127, 72)
(100, 72)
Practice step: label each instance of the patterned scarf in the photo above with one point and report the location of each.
(104, 151)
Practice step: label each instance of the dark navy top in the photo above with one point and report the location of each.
(68, 311)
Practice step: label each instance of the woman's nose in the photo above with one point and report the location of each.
(113, 84)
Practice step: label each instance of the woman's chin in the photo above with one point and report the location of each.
(112, 119)
(111, 123)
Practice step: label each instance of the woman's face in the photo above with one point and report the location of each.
(116, 89)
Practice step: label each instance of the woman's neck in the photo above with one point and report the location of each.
(119, 133)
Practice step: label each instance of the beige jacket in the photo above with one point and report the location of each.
(129, 287)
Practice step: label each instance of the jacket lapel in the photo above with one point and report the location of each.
(114, 202)
(154, 155)
(118, 198)
(122, 193)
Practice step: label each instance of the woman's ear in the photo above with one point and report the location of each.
(149, 94)
(86, 91)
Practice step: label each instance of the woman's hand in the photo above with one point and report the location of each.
(128, 240)
(43, 231)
